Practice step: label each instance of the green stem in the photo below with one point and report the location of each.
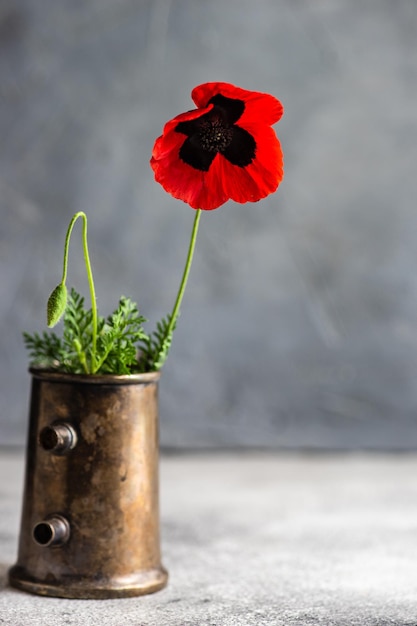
(81, 214)
(177, 305)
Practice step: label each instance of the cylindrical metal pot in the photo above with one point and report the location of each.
(90, 519)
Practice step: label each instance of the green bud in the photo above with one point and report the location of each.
(56, 305)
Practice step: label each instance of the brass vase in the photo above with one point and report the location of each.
(90, 518)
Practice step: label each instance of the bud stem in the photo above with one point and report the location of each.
(92, 368)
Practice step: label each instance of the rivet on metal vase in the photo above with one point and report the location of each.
(52, 531)
(58, 438)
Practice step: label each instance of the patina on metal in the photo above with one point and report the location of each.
(90, 519)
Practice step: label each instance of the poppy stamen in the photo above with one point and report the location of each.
(214, 135)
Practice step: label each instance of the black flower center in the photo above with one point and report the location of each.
(216, 132)
(214, 135)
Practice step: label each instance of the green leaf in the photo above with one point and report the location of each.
(156, 347)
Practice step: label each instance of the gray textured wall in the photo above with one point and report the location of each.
(299, 327)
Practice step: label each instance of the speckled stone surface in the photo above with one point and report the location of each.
(257, 539)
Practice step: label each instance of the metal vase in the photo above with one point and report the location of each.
(90, 518)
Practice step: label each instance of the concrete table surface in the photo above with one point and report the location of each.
(257, 538)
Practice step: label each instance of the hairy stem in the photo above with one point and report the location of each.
(176, 310)
(93, 367)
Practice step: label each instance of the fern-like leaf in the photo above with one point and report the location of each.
(155, 349)
(118, 339)
(122, 345)
(45, 350)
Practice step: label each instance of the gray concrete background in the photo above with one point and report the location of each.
(299, 327)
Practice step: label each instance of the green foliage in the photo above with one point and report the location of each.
(77, 336)
(45, 350)
(122, 345)
(118, 339)
(155, 347)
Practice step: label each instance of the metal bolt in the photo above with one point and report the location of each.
(52, 531)
(58, 438)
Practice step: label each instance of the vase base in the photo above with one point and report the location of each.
(84, 588)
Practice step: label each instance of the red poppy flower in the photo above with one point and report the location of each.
(223, 150)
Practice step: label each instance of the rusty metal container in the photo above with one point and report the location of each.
(90, 518)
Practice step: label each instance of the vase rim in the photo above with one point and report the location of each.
(112, 379)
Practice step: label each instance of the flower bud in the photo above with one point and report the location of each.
(56, 305)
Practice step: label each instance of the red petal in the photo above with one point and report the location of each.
(185, 117)
(257, 180)
(235, 181)
(259, 107)
(267, 169)
(180, 179)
